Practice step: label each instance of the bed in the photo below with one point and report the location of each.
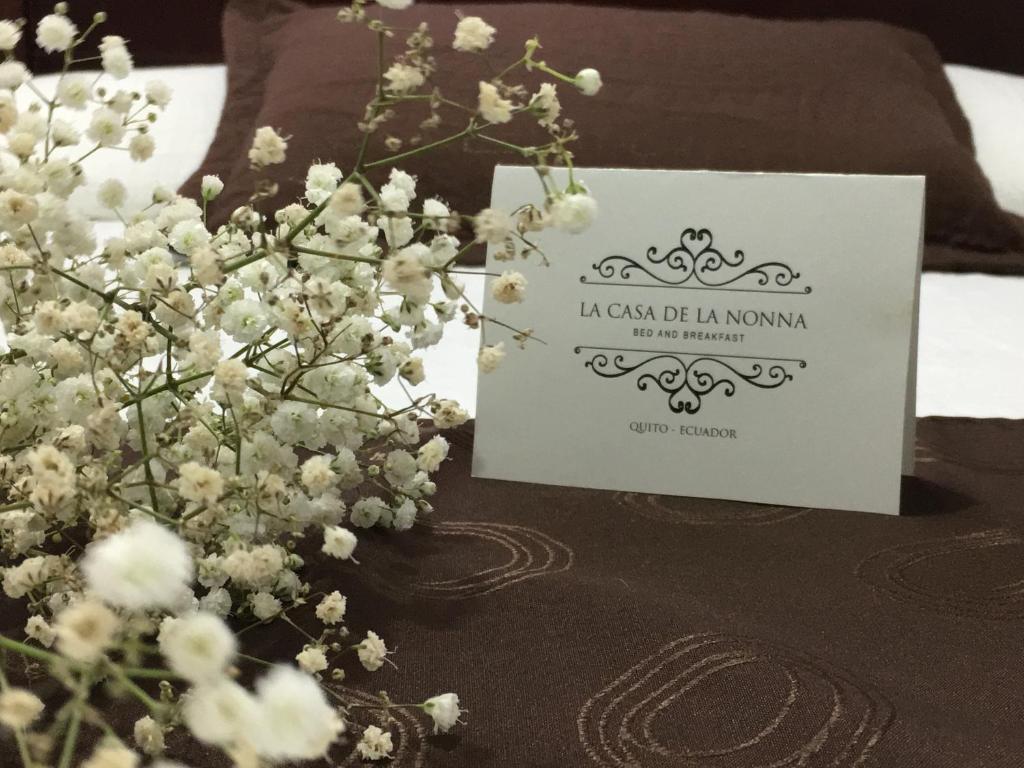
(619, 630)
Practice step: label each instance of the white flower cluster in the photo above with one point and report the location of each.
(186, 408)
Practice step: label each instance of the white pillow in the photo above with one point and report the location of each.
(994, 105)
(183, 133)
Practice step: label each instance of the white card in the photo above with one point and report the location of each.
(726, 335)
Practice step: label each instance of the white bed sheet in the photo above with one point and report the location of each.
(183, 133)
(971, 348)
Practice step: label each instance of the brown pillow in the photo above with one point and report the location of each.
(682, 90)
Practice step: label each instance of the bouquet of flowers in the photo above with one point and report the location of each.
(182, 408)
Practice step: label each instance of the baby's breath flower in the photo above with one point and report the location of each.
(141, 147)
(298, 722)
(492, 225)
(473, 34)
(432, 453)
(85, 630)
(403, 78)
(545, 105)
(149, 736)
(19, 708)
(317, 474)
(39, 630)
(158, 93)
(443, 710)
(321, 181)
(509, 287)
(347, 200)
(143, 566)
(245, 320)
(106, 127)
(112, 754)
(211, 186)
(265, 606)
(589, 81)
(367, 512)
(492, 107)
(490, 357)
(10, 34)
(229, 380)
(73, 91)
(268, 147)
(199, 484)
(199, 647)
(448, 414)
(312, 659)
(375, 744)
(331, 609)
(372, 652)
(13, 74)
(573, 212)
(221, 712)
(112, 194)
(405, 273)
(55, 33)
(224, 382)
(114, 57)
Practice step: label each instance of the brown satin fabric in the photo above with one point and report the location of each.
(591, 629)
(686, 91)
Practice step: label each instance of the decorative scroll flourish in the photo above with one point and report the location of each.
(696, 263)
(688, 377)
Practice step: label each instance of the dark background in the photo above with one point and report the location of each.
(986, 33)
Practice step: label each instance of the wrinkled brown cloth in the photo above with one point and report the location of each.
(614, 630)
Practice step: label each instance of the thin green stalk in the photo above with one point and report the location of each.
(338, 256)
(132, 687)
(425, 148)
(322, 404)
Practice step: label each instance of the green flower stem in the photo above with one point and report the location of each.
(67, 752)
(164, 387)
(524, 151)
(543, 67)
(375, 111)
(142, 507)
(488, 319)
(322, 404)
(338, 256)
(109, 297)
(299, 629)
(29, 650)
(48, 657)
(247, 260)
(147, 467)
(133, 688)
(255, 660)
(147, 673)
(468, 131)
(462, 252)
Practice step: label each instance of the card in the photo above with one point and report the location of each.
(739, 336)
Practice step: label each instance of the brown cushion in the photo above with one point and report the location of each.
(186, 31)
(682, 90)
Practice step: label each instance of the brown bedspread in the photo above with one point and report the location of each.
(587, 628)
(614, 630)
(948, 258)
